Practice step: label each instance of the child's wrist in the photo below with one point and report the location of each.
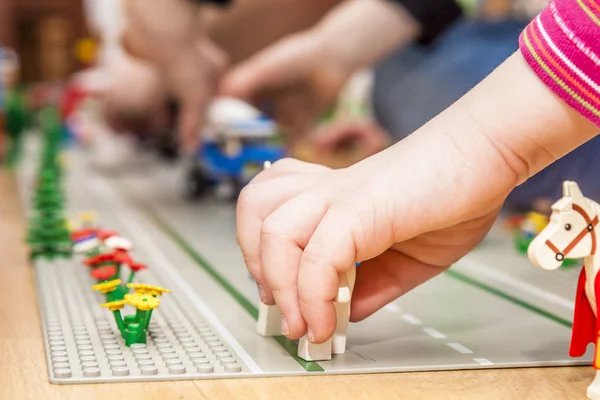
(531, 125)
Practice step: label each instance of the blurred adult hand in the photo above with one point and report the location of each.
(295, 81)
(168, 35)
(299, 77)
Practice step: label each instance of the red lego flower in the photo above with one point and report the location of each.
(82, 234)
(122, 257)
(514, 221)
(104, 273)
(136, 267)
(101, 258)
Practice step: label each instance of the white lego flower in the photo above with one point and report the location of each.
(118, 243)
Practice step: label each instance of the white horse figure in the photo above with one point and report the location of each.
(572, 233)
(269, 323)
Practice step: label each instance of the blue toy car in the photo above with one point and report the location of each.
(234, 149)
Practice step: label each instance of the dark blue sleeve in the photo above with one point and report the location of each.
(434, 16)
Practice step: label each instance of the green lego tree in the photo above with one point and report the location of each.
(48, 234)
(17, 118)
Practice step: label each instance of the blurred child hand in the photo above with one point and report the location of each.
(168, 35)
(406, 213)
(299, 78)
(295, 80)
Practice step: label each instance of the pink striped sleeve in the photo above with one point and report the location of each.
(562, 46)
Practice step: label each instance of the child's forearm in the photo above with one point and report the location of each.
(533, 125)
(478, 150)
(516, 117)
(549, 94)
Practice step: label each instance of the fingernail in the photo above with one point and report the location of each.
(311, 336)
(262, 294)
(284, 326)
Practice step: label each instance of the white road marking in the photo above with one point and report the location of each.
(434, 333)
(476, 267)
(392, 308)
(131, 215)
(411, 319)
(460, 348)
(483, 361)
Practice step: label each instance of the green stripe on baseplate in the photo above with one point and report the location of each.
(466, 279)
(290, 346)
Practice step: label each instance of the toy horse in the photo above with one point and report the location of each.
(572, 232)
(269, 323)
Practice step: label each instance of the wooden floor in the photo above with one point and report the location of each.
(23, 373)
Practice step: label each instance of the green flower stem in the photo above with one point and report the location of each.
(143, 320)
(139, 315)
(147, 320)
(119, 321)
(131, 276)
(118, 267)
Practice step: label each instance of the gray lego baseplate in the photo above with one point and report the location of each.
(85, 345)
(492, 310)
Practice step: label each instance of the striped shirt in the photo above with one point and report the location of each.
(562, 46)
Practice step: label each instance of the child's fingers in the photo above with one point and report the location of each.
(273, 68)
(284, 235)
(330, 251)
(288, 166)
(258, 75)
(385, 278)
(257, 201)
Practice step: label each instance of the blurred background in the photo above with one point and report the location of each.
(339, 81)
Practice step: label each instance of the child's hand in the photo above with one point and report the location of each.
(411, 211)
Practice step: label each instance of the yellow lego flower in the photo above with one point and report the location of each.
(535, 222)
(142, 301)
(88, 217)
(86, 50)
(70, 225)
(107, 287)
(143, 288)
(114, 305)
(63, 160)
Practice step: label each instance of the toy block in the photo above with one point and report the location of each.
(314, 352)
(337, 343)
(269, 320)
